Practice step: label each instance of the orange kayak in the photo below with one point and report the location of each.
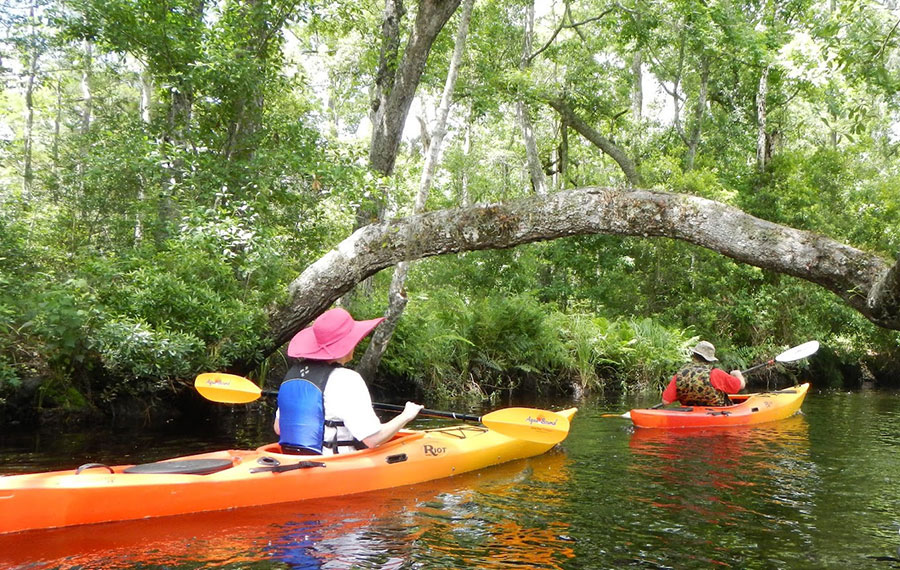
(230, 479)
(254, 537)
(748, 409)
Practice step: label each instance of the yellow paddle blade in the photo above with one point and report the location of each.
(529, 424)
(226, 388)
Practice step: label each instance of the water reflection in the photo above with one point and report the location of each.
(701, 498)
(501, 517)
(713, 472)
(514, 524)
(817, 491)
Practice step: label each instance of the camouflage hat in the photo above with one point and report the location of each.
(706, 351)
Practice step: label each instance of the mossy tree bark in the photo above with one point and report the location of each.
(867, 282)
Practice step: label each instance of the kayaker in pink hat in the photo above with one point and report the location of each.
(700, 383)
(324, 407)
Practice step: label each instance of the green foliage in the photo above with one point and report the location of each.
(154, 247)
(9, 378)
(626, 353)
(196, 290)
(451, 346)
(97, 207)
(59, 319)
(150, 241)
(816, 190)
(14, 268)
(136, 350)
(647, 351)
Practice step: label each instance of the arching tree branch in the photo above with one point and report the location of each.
(865, 281)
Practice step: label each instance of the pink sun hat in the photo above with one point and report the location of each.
(332, 336)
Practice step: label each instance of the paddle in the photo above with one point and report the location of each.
(529, 424)
(798, 352)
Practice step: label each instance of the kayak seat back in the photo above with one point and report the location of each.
(290, 449)
(181, 467)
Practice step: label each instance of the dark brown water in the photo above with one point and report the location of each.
(820, 490)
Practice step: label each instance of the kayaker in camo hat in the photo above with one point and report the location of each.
(699, 383)
(324, 407)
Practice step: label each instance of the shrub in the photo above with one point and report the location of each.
(450, 346)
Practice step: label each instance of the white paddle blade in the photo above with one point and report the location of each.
(799, 352)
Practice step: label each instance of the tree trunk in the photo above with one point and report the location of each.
(181, 91)
(761, 138)
(146, 97)
(629, 168)
(397, 90)
(396, 81)
(28, 138)
(563, 154)
(765, 27)
(637, 87)
(180, 99)
(87, 101)
(397, 295)
(699, 112)
(676, 83)
(535, 170)
(181, 103)
(261, 26)
(464, 198)
(538, 180)
(394, 12)
(146, 118)
(57, 125)
(867, 282)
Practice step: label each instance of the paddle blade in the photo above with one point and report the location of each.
(799, 352)
(528, 424)
(626, 415)
(226, 388)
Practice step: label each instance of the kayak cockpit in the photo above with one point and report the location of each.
(403, 436)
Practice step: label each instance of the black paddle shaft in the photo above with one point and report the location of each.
(396, 408)
(763, 365)
(427, 412)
